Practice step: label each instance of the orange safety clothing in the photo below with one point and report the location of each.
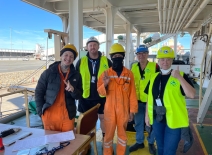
(56, 117)
(121, 100)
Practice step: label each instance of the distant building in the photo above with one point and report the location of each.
(15, 53)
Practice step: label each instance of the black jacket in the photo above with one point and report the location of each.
(49, 85)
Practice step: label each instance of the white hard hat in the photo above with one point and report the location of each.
(92, 39)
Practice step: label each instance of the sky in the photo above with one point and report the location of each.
(22, 26)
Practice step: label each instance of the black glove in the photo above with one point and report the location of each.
(187, 136)
(148, 129)
(160, 112)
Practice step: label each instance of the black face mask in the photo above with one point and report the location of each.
(117, 64)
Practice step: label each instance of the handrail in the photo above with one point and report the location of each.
(7, 94)
(18, 88)
(25, 92)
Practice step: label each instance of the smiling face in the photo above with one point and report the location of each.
(142, 57)
(67, 58)
(165, 63)
(93, 47)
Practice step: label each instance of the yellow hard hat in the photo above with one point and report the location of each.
(165, 52)
(69, 47)
(116, 48)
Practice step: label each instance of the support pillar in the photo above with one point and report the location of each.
(76, 24)
(175, 46)
(129, 46)
(65, 24)
(110, 13)
(65, 27)
(138, 38)
(57, 47)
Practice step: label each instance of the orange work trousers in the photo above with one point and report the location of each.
(112, 122)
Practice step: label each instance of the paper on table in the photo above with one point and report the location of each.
(60, 137)
(14, 137)
(24, 152)
(43, 140)
(29, 143)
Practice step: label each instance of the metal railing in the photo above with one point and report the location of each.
(23, 91)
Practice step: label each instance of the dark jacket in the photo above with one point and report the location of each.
(49, 85)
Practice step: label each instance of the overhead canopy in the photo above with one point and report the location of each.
(164, 16)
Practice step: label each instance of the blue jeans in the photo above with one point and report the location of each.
(139, 119)
(167, 139)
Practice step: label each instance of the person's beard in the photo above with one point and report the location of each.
(117, 64)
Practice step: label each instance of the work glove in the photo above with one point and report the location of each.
(160, 112)
(187, 136)
(148, 129)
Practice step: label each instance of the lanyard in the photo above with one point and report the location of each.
(142, 74)
(64, 78)
(160, 83)
(93, 65)
(159, 89)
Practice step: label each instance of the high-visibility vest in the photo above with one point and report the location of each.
(141, 84)
(174, 102)
(85, 73)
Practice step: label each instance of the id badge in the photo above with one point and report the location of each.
(158, 102)
(93, 79)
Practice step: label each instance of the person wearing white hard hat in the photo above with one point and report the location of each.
(90, 67)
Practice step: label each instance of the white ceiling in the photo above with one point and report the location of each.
(164, 16)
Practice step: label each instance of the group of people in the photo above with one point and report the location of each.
(149, 93)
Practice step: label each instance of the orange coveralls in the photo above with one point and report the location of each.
(56, 117)
(121, 100)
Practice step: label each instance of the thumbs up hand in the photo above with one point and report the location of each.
(68, 87)
(176, 73)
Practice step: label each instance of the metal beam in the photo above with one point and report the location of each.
(122, 3)
(143, 20)
(139, 15)
(136, 6)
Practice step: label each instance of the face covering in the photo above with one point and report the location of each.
(165, 71)
(117, 64)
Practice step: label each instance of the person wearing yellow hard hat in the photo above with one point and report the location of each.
(91, 67)
(166, 104)
(57, 89)
(117, 84)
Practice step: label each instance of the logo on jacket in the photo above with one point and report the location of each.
(147, 70)
(173, 83)
(74, 80)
